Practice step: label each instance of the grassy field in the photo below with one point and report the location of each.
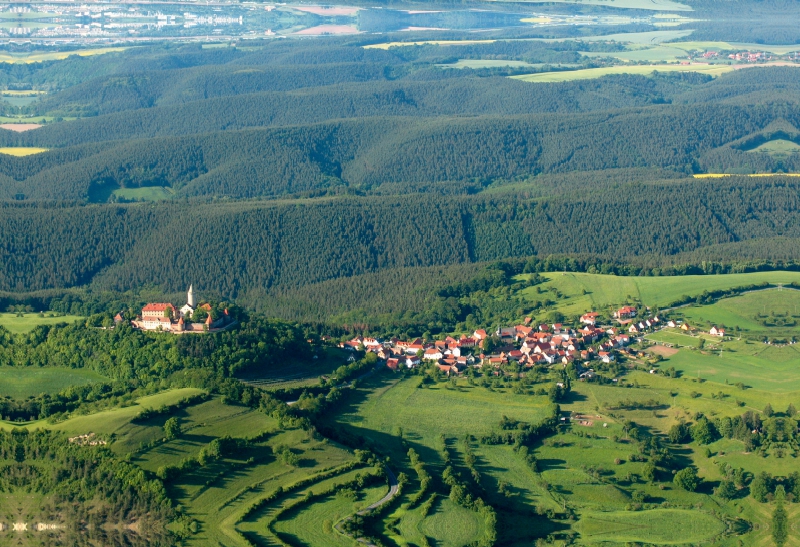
(748, 312)
(651, 54)
(312, 524)
(398, 415)
(30, 321)
(148, 193)
(584, 292)
(763, 367)
(779, 148)
(20, 151)
(23, 382)
(645, 70)
(658, 526)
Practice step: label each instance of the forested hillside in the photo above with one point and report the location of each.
(239, 249)
(289, 166)
(370, 152)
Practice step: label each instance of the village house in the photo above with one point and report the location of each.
(625, 312)
(589, 318)
(717, 331)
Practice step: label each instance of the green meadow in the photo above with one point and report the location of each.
(588, 479)
(23, 382)
(146, 193)
(658, 526)
(779, 148)
(29, 321)
(584, 291)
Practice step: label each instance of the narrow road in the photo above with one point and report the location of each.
(393, 488)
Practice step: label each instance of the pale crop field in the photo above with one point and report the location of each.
(55, 56)
(20, 151)
(645, 70)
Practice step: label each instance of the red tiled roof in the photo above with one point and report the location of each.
(157, 306)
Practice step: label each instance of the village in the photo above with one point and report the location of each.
(525, 345)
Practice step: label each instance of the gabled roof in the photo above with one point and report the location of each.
(158, 306)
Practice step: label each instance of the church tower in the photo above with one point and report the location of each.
(190, 298)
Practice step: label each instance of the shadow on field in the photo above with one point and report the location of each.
(548, 464)
(573, 397)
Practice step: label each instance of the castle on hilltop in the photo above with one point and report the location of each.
(164, 316)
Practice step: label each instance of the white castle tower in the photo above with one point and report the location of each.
(188, 309)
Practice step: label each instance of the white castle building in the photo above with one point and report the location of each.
(163, 316)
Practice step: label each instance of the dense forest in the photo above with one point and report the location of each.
(299, 173)
(234, 248)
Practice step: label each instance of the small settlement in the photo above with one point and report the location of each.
(522, 344)
(163, 316)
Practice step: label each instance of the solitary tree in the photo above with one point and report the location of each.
(687, 479)
(172, 428)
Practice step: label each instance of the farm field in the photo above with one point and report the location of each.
(20, 151)
(654, 54)
(584, 292)
(659, 526)
(767, 368)
(30, 321)
(23, 382)
(772, 312)
(645, 70)
(55, 56)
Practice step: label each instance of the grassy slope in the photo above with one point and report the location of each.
(606, 291)
(23, 382)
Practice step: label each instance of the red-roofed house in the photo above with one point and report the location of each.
(158, 309)
(589, 318)
(625, 312)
